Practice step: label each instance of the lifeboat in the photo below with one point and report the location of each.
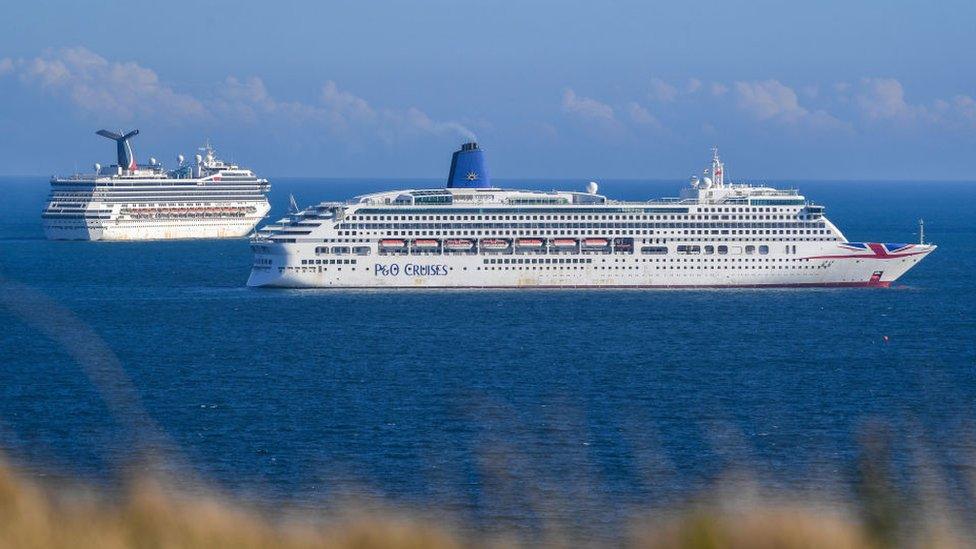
(529, 243)
(494, 244)
(392, 243)
(458, 244)
(564, 243)
(425, 243)
(596, 242)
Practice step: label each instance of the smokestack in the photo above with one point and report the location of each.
(126, 158)
(468, 168)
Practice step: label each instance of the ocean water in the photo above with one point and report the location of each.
(498, 408)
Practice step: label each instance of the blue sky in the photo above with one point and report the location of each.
(787, 90)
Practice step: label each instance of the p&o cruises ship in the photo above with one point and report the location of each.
(472, 234)
(125, 201)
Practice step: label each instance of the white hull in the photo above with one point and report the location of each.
(120, 228)
(142, 230)
(811, 266)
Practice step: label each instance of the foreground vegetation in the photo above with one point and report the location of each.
(146, 514)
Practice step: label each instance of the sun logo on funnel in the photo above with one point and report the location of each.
(472, 176)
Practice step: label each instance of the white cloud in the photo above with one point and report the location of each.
(126, 91)
(965, 108)
(662, 91)
(884, 99)
(103, 88)
(346, 104)
(768, 99)
(693, 85)
(718, 89)
(771, 100)
(642, 116)
(339, 112)
(586, 107)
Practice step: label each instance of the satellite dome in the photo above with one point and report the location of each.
(592, 187)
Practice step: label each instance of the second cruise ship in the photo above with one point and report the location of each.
(472, 234)
(207, 199)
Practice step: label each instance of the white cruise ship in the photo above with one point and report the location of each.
(125, 201)
(473, 235)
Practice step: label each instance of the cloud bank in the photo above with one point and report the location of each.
(841, 107)
(125, 92)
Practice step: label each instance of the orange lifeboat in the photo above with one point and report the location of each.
(458, 244)
(494, 244)
(529, 243)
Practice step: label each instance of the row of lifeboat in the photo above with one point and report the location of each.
(152, 213)
(494, 244)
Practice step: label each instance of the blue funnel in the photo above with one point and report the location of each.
(468, 168)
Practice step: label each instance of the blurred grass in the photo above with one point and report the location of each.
(147, 514)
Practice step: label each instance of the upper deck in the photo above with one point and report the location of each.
(207, 169)
(741, 194)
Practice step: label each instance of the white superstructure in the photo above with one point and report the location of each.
(475, 235)
(207, 199)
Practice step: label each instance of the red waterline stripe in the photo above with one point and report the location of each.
(868, 284)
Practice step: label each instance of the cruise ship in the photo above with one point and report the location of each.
(472, 234)
(207, 199)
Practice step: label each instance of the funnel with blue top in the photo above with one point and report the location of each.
(468, 168)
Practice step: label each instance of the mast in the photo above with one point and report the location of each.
(718, 175)
(921, 231)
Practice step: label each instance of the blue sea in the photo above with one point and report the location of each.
(498, 409)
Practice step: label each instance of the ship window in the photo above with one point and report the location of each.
(764, 249)
(723, 250)
(654, 250)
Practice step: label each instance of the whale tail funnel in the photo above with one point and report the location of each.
(127, 158)
(468, 168)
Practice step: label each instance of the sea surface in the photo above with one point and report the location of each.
(499, 409)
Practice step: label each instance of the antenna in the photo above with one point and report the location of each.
(921, 231)
(292, 205)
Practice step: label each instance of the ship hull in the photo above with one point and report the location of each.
(121, 229)
(134, 231)
(815, 269)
